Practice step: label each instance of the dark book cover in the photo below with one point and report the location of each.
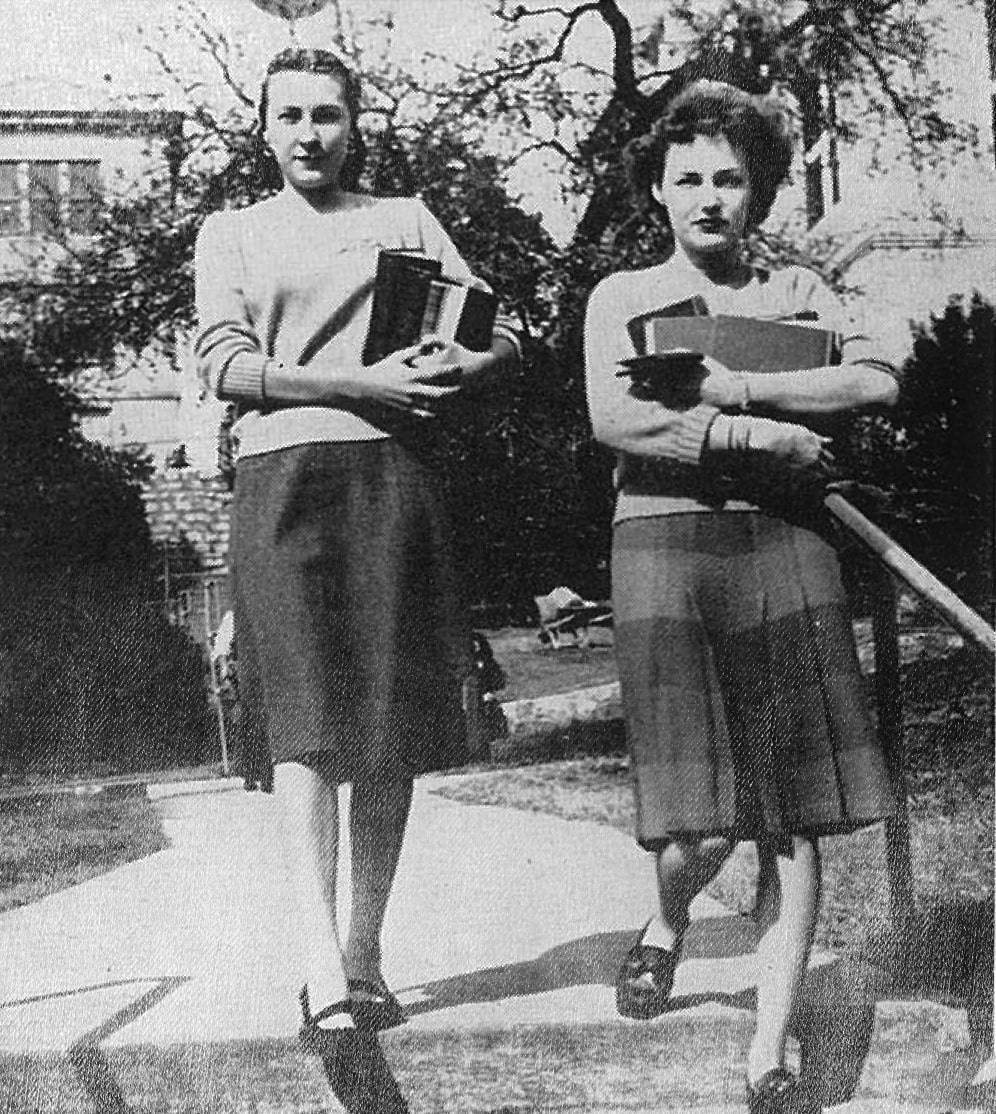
(457, 311)
(641, 327)
(400, 291)
(748, 344)
(475, 329)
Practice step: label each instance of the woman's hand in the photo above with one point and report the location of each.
(413, 380)
(794, 445)
(720, 386)
(436, 352)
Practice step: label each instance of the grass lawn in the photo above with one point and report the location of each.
(948, 736)
(52, 841)
(534, 670)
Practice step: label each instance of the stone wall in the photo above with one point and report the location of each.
(189, 511)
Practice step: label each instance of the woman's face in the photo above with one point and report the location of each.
(307, 128)
(707, 194)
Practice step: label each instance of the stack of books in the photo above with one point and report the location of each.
(413, 299)
(740, 343)
(670, 342)
(641, 328)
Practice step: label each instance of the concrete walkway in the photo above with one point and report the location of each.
(171, 983)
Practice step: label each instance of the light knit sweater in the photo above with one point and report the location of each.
(276, 281)
(642, 430)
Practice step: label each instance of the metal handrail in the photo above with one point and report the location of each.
(897, 560)
(977, 633)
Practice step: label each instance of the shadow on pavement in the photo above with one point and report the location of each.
(220, 1077)
(89, 1061)
(125, 1079)
(359, 1075)
(942, 955)
(851, 1028)
(589, 960)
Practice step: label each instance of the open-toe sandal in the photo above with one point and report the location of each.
(312, 1030)
(373, 1006)
(645, 979)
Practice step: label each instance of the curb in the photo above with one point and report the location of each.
(587, 719)
(163, 790)
(13, 795)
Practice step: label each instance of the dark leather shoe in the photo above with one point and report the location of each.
(778, 1091)
(645, 979)
(313, 1034)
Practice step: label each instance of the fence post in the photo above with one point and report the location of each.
(889, 702)
(215, 687)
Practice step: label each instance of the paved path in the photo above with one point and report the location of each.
(133, 991)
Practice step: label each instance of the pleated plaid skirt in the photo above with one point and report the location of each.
(744, 705)
(352, 637)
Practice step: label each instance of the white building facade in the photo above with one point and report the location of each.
(906, 238)
(63, 151)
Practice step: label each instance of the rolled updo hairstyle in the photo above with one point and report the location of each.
(327, 62)
(753, 126)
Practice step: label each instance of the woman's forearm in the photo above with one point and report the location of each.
(821, 390)
(253, 378)
(741, 436)
(256, 379)
(501, 359)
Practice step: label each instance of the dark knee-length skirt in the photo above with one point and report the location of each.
(745, 711)
(352, 638)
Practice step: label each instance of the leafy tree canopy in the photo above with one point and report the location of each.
(453, 138)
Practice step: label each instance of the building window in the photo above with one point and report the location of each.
(39, 196)
(10, 199)
(82, 195)
(43, 198)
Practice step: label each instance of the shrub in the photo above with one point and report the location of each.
(933, 452)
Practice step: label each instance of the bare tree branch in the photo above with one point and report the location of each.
(197, 111)
(885, 81)
(623, 74)
(555, 145)
(556, 53)
(214, 43)
(522, 12)
(627, 88)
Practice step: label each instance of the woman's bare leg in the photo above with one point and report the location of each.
(378, 816)
(783, 954)
(684, 867)
(769, 891)
(309, 816)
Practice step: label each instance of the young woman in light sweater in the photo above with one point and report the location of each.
(745, 713)
(352, 639)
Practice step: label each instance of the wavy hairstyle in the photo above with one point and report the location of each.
(755, 127)
(313, 60)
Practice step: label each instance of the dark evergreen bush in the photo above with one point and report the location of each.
(932, 454)
(98, 679)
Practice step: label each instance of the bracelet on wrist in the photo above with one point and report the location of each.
(738, 436)
(743, 386)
